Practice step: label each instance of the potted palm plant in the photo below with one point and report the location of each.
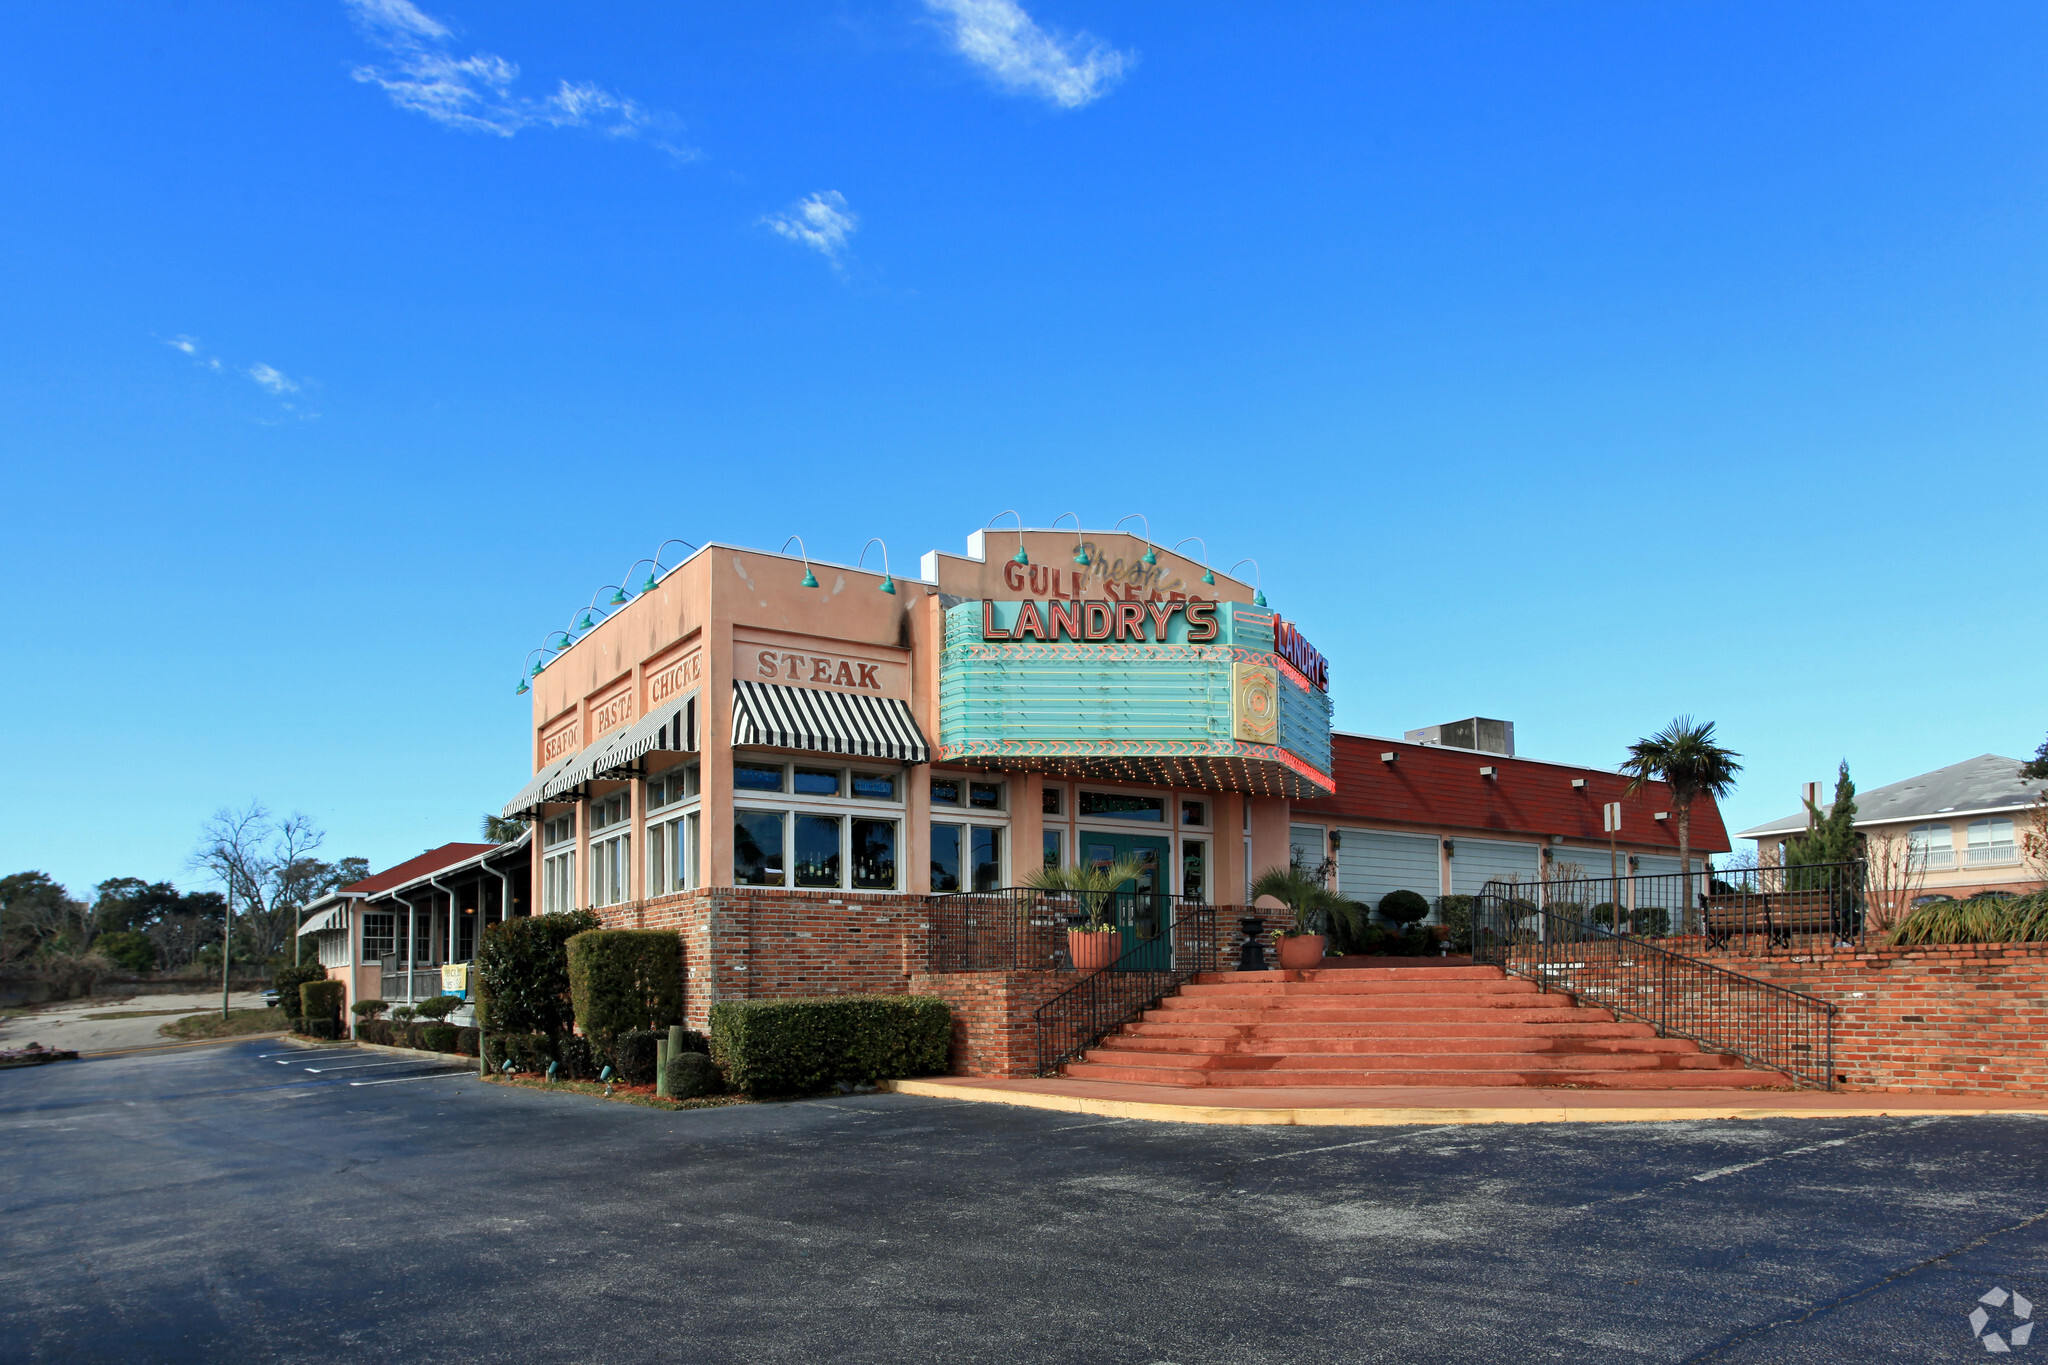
(1305, 936)
(1093, 943)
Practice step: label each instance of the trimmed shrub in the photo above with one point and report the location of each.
(622, 979)
(466, 1041)
(374, 1031)
(287, 981)
(776, 1047)
(691, 1074)
(404, 1014)
(438, 1007)
(322, 999)
(1404, 908)
(633, 1056)
(578, 1060)
(1455, 914)
(1652, 921)
(526, 1051)
(328, 1029)
(438, 1037)
(368, 1009)
(522, 973)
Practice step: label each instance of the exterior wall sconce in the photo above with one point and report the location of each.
(810, 579)
(1258, 581)
(1450, 849)
(1578, 782)
(1489, 772)
(888, 584)
(1208, 574)
(1336, 840)
(1150, 556)
(648, 586)
(1662, 815)
(1389, 756)
(1020, 557)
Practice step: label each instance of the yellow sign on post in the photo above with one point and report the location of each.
(455, 979)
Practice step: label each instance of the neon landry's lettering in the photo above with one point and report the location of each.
(1096, 622)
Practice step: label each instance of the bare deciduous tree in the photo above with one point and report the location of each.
(270, 868)
(1894, 874)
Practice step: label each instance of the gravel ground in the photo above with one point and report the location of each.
(227, 1204)
(64, 1024)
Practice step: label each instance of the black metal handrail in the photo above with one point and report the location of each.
(1148, 969)
(1680, 996)
(1019, 928)
(1817, 905)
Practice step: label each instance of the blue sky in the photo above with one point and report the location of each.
(1576, 364)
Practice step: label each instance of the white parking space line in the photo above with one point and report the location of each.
(400, 1080)
(358, 1066)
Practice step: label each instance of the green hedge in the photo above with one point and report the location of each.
(322, 999)
(438, 1007)
(691, 1074)
(623, 979)
(780, 1047)
(522, 973)
(287, 980)
(633, 1056)
(438, 1037)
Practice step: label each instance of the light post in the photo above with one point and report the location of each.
(227, 947)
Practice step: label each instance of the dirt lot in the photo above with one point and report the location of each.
(66, 1023)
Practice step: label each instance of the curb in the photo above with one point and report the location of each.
(1405, 1116)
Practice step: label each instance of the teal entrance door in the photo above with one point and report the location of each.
(1144, 914)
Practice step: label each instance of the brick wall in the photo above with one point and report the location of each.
(1963, 1020)
(994, 1033)
(740, 943)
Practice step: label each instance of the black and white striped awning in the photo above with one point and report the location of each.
(671, 727)
(770, 716)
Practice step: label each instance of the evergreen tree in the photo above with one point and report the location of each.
(1833, 837)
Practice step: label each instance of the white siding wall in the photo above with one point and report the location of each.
(1307, 845)
(1370, 864)
(1479, 861)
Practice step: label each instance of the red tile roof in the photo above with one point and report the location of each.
(1443, 789)
(433, 860)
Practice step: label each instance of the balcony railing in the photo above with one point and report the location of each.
(1992, 855)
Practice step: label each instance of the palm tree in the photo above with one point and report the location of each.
(1091, 885)
(1684, 757)
(1312, 904)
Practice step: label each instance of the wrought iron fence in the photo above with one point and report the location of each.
(1076, 1019)
(1680, 996)
(1755, 908)
(1018, 928)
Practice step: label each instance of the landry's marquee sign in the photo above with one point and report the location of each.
(1188, 692)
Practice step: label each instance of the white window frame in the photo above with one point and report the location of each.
(390, 938)
(558, 864)
(845, 807)
(1991, 851)
(674, 831)
(611, 850)
(1932, 851)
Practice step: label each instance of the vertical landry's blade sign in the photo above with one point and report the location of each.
(1291, 645)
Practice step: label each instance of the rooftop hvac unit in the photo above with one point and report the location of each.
(1478, 734)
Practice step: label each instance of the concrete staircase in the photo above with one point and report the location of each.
(1440, 1026)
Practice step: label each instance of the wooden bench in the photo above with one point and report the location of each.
(1777, 915)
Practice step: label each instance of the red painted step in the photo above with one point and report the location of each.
(1411, 1026)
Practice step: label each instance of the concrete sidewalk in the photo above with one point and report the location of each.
(1376, 1106)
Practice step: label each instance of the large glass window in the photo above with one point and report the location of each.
(817, 851)
(672, 855)
(945, 858)
(1123, 806)
(987, 845)
(1933, 845)
(756, 777)
(558, 865)
(667, 788)
(1991, 842)
(611, 868)
(757, 848)
(380, 934)
(874, 855)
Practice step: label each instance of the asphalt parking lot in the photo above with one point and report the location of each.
(226, 1204)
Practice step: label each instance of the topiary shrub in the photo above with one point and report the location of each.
(1652, 921)
(522, 973)
(404, 1014)
(438, 1037)
(691, 1074)
(368, 1009)
(466, 1040)
(1404, 908)
(775, 1047)
(437, 1007)
(622, 979)
(322, 999)
(287, 980)
(633, 1056)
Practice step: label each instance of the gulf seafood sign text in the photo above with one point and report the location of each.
(1294, 647)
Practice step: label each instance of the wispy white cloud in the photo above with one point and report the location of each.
(820, 221)
(273, 379)
(998, 36)
(426, 75)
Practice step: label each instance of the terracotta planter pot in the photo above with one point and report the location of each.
(1300, 952)
(1093, 952)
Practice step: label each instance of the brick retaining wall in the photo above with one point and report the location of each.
(994, 1033)
(1963, 1020)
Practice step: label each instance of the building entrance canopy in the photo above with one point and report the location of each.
(771, 716)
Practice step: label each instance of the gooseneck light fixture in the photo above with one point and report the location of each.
(810, 579)
(652, 573)
(619, 597)
(1080, 546)
(587, 618)
(1258, 587)
(1149, 556)
(1208, 574)
(888, 584)
(1020, 557)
